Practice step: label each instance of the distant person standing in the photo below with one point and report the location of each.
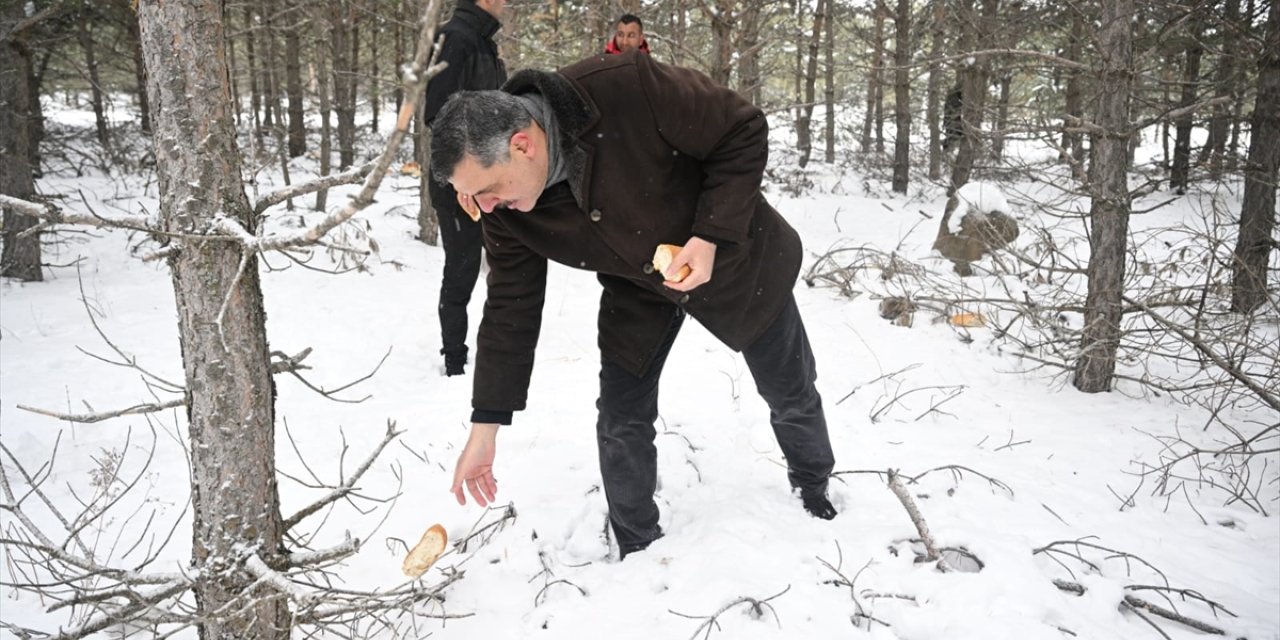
(628, 35)
(473, 65)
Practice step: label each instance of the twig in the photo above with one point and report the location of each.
(756, 610)
(346, 487)
(930, 547)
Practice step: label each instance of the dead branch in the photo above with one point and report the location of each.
(347, 177)
(756, 611)
(931, 548)
(348, 485)
(1263, 394)
(54, 215)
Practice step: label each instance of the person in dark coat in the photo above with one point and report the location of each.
(473, 63)
(628, 34)
(593, 167)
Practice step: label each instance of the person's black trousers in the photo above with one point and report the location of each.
(462, 254)
(782, 363)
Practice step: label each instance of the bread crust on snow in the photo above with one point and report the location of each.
(426, 552)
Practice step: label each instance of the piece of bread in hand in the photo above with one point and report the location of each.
(469, 206)
(426, 552)
(662, 258)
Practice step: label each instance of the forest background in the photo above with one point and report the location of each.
(228, 114)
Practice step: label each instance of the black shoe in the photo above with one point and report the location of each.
(818, 505)
(625, 550)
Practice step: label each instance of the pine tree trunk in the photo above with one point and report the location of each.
(1002, 116)
(902, 98)
(933, 99)
(267, 53)
(1180, 175)
(1109, 212)
(428, 221)
(882, 11)
(398, 37)
(344, 99)
(20, 257)
(873, 78)
(1258, 211)
(230, 394)
(749, 83)
(139, 70)
(1073, 141)
(1224, 83)
(251, 63)
(829, 87)
(85, 38)
(374, 81)
(804, 136)
(293, 86)
(324, 26)
(721, 40)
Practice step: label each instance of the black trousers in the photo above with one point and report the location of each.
(781, 361)
(462, 255)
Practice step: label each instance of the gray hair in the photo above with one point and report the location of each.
(475, 123)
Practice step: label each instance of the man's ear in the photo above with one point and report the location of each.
(521, 143)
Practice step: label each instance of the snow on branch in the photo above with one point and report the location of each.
(53, 215)
(276, 197)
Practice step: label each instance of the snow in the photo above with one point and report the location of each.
(733, 530)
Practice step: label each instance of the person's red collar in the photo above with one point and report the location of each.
(612, 46)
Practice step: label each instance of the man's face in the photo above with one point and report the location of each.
(514, 184)
(493, 7)
(628, 36)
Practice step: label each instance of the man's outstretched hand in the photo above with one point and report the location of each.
(475, 466)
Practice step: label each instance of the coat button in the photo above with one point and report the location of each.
(595, 215)
(684, 299)
(647, 268)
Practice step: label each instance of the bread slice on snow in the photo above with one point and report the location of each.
(426, 552)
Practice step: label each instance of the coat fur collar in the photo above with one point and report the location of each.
(574, 115)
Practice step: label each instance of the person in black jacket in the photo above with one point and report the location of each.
(473, 64)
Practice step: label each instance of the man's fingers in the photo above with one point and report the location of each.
(477, 492)
(489, 485)
(456, 490)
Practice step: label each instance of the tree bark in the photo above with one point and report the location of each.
(130, 18)
(829, 87)
(1225, 87)
(251, 63)
(230, 394)
(1258, 211)
(1180, 174)
(85, 38)
(749, 81)
(874, 80)
(344, 98)
(721, 19)
(293, 83)
(267, 54)
(1002, 115)
(804, 136)
(324, 25)
(902, 98)
(933, 97)
(20, 257)
(1109, 212)
(1073, 141)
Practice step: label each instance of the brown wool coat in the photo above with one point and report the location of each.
(656, 153)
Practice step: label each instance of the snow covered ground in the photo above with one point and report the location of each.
(1063, 460)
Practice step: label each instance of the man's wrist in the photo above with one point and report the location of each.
(485, 430)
